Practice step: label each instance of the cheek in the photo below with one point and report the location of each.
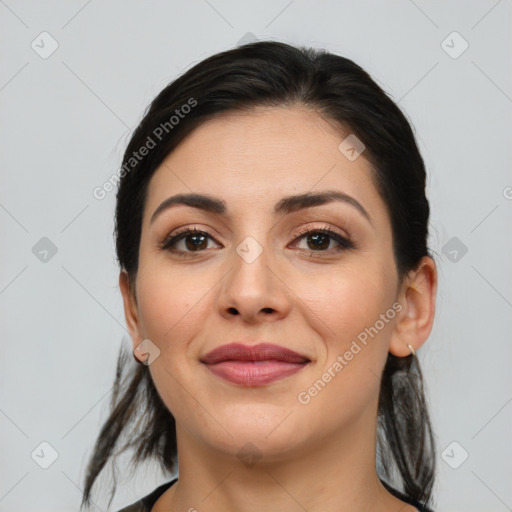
(171, 305)
(346, 313)
(346, 302)
(172, 308)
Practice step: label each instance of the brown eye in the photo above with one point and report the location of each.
(194, 241)
(319, 239)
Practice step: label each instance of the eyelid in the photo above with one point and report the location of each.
(190, 229)
(293, 233)
(324, 227)
(343, 239)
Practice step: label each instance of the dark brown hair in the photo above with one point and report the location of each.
(277, 74)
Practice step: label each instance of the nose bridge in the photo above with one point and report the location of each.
(251, 267)
(253, 246)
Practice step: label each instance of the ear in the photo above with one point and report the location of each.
(131, 310)
(417, 297)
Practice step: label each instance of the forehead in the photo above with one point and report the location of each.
(253, 159)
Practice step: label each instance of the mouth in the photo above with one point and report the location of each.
(254, 365)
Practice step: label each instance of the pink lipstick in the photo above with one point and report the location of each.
(253, 365)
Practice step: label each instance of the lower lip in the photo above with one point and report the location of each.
(248, 373)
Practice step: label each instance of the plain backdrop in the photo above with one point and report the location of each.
(75, 78)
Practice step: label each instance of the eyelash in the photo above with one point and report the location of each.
(168, 242)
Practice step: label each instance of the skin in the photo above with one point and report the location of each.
(314, 301)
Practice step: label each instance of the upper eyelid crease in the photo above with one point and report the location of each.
(287, 204)
(343, 240)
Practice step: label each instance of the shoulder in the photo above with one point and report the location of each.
(135, 507)
(146, 503)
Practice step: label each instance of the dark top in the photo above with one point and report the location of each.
(146, 504)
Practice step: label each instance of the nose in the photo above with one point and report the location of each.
(254, 290)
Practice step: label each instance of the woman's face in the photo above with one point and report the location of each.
(253, 276)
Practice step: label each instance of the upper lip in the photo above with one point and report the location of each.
(259, 352)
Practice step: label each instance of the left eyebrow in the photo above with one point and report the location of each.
(285, 205)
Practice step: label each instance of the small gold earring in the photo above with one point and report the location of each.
(412, 350)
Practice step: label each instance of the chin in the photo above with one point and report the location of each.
(267, 437)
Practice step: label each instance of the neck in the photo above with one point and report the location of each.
(332, 473)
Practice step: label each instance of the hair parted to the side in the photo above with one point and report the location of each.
(270, 73)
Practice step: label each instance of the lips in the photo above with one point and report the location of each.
(260, 352)
(253, 365)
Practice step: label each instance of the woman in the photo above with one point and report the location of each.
(271, 230)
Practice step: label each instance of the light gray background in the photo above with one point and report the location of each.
(64, 123)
